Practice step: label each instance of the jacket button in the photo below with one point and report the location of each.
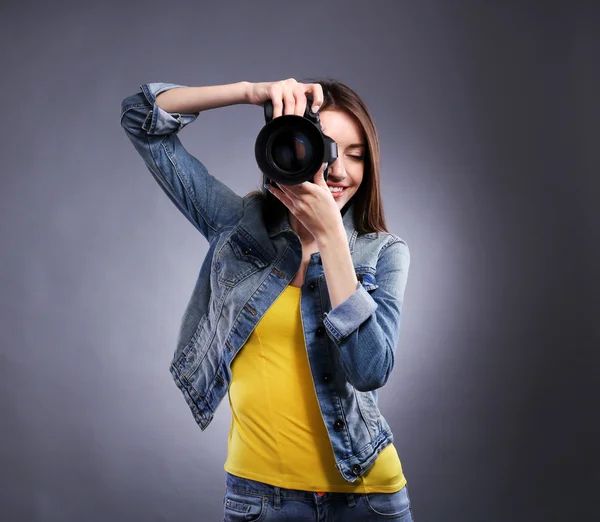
(338, 425)
(356, 469)
(320, 331)
(246, 251)
(327, 377)
(312, 286)
(360, 278)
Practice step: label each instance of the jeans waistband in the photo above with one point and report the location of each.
(253, 487)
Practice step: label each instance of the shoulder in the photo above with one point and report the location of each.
(382, 240)
(252, 199)
(254, 204)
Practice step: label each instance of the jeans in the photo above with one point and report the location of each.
(252, 501)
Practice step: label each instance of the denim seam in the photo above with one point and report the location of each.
(244, 492)
(134, 106)
(201, 212)
(211, 385)
(337, 336)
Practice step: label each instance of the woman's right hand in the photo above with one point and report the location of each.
(288, 96)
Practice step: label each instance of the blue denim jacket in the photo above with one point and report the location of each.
(249, 263)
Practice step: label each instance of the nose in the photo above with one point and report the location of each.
(336, 169)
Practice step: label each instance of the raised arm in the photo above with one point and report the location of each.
(152, 118)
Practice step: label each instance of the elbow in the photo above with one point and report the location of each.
(366, 386)
(134, 111)
(377, 375)
(371, 384)
(134, 101)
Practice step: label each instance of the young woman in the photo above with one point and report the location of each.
(296, 311)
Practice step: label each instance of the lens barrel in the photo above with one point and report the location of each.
(290, 149)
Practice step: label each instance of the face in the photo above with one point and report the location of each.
(348, 169)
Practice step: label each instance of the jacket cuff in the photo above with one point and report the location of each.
(345, 318)
(159, 121)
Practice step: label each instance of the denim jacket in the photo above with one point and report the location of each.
(249, 263)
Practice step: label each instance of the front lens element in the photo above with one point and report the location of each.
(291, 150)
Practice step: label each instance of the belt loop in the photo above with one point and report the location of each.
(350, 499)
(277, 498)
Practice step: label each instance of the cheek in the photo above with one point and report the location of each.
(356, 173)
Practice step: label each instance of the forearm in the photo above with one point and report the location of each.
(337, 265)
(210, 205)
(189, 100)
(365, 327)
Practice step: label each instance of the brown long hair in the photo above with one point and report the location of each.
(368, 206)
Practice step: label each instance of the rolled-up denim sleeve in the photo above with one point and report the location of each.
(365, 327)
(209, 204)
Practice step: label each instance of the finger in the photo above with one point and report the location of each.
(316, 90)
(301, 101)
(297, 191)
(275, 92)
(281, 196)
(289, 102)
(291, 192)
(319, 178)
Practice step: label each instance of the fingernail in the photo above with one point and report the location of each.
(316, 108)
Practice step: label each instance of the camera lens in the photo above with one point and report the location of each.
(291, 150)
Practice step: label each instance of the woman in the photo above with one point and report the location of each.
(309, 282)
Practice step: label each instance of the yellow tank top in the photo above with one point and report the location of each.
(277, 434)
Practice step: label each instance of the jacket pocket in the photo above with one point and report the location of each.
(239, 258)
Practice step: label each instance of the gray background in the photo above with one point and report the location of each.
(486, 113)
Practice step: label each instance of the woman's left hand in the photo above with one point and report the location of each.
(312, 204)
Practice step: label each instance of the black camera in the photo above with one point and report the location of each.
(290, 149)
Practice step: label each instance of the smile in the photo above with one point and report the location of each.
(337, 191)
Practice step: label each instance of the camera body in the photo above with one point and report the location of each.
(290, 149)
